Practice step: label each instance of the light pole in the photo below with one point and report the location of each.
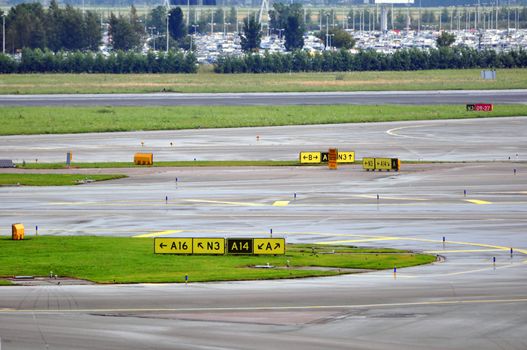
(193, 26)
(152, 35)
(419, 18)
(3, 33)
(236, 16)
(327, 30)
(212, 23)
(168, 34)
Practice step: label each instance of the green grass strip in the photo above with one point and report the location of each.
(58, 120)
(131, 260)
(52, 179)
(205, 81)
(5, 283)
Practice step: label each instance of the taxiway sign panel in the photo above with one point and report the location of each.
(214, 246)
(173, 245)
(269, 246)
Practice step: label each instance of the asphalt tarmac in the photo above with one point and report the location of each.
(463, 301)
(492, 139)
(275, 99)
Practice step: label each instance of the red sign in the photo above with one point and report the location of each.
(480, 107)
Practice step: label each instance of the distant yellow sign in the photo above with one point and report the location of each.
(173, 245)
(310, 157)
(368, 163)
(383, 163)
(346, 157)
(208, 246)
(271, 246)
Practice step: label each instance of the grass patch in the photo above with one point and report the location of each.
(58, 120)
(206, 81)
(5, 283)
(52, 179)
(131, 260)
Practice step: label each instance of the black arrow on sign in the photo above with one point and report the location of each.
(260, 246)
(162, 245)
(277, 245)
(200, 245)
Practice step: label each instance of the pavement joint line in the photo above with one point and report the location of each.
(272, 308)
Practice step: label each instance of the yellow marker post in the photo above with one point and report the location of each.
(269, 246)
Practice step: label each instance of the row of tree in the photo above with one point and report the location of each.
(30, 25)
(342, 61)
(38, 61)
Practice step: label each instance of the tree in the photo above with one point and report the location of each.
(445, 39)
(135, 22)
(252, 34)
(123, 37)
(92, 31)
(176, 24)
(341, 38)
(279, 14)
(156, 18)
(71, 33)
(25, 27)
(294, 33)
(53, 26)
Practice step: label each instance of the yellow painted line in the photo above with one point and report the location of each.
(281, 203)
(275, 308)
(160, 233)
(477, 201)
(225, 202)
(462, 251)
(360, 240)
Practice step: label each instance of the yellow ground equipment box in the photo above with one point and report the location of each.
(17, 232)
(143, 159)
